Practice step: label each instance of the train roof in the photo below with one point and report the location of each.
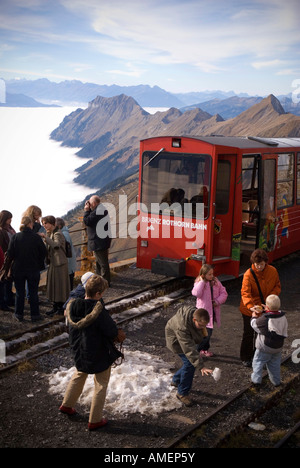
(244, 142)
(251, 142)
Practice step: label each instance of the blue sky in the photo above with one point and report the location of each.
(181, 46)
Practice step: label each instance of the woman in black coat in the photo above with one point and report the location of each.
(28, 252)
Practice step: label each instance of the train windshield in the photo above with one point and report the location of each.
(179, 181)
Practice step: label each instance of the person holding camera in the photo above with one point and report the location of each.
(99, 240)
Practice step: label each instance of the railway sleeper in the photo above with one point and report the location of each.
(36, 349)
(33, 337)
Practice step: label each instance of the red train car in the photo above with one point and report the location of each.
(214, 200)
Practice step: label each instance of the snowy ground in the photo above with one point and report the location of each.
(140, 384)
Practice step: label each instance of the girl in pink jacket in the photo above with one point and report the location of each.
(210, 294)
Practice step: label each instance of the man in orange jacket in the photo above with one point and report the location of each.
(266, 276)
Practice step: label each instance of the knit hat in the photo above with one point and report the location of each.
(86, 277)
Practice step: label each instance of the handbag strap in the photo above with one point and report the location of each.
(212, 300)
(258, 286)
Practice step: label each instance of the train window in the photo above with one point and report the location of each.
(285, 180)
(223, 187)
(268, 189)
(176, 179)
(298, 178)
(250, 178)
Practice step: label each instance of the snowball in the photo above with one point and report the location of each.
(216, 374)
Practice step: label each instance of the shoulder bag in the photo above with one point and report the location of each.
(258, 286)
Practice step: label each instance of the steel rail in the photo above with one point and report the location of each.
(288, 436)
(183, 438)
(116, 306)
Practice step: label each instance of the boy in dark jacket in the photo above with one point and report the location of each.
(271, 327)
(79, 291)
(92, 330)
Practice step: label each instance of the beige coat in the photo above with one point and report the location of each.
(58, 281)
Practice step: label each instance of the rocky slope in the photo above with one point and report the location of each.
(265, 119)
(110, 129)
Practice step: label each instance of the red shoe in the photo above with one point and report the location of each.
(206, 353)
(95, 426)
(66, 410)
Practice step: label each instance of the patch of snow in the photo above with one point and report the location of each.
(141, 384)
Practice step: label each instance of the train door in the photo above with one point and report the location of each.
(258, 204)
(268, 206)
(251, 200)
(224, 207)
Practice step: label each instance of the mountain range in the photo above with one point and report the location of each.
(110, 129)
(75, 93)
(235, 105)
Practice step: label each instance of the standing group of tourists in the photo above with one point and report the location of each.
(44, 243)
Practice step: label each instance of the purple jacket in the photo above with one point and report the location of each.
(202, 291)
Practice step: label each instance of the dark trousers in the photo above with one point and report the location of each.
(102, 265)
(3, 294)
(33, 279)
(248, 340)
(6, 294)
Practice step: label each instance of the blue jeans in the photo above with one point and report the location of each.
(271, 361)
(183, 378)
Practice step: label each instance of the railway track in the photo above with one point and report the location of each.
(53, 334)
(252, 418)
(287, 440)
(245, 408)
